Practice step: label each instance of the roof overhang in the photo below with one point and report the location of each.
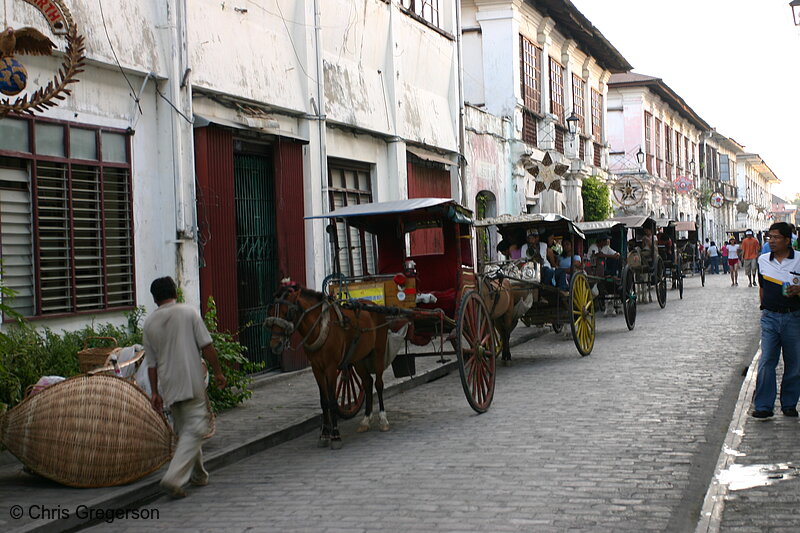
(574, 25)
(657, 86)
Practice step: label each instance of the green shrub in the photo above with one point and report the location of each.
(596, 199)
(236, 367)
(28, 353)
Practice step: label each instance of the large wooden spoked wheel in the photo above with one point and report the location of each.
(582, 307)
(349, 393)
(476, 349)
(628, 295)
(661, 283)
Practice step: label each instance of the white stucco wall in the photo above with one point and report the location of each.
(102, 97)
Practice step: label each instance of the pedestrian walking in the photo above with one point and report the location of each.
(765, 248)
(713, 257)
(779, 282)
(724, 258)
(174, 337)
(750, 252)
(733, 261)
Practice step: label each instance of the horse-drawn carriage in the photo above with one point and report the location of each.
(522, 286)
(423, 273)
(668, 249)
(610, 274)
(690, 247)
(647, 264)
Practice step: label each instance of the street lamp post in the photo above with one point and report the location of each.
(700, 201)
(795, 5)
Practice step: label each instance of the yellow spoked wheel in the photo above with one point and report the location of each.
(582, 322)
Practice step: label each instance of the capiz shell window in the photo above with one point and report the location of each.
(66, 222)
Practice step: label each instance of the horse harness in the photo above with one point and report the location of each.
(288, 327)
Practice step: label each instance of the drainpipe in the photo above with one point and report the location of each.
(462, 164)
(320, 118)
(182, 142)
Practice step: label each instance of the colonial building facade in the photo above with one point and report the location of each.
(648, 121)
(718, 157)
(528, 67)
(755, 180)
(195, 149)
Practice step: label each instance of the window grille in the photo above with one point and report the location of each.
(426, 9)
(350, 185)
(557, 90)
(66, 220)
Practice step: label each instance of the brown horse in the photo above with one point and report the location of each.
(333, 338)
(507, 302)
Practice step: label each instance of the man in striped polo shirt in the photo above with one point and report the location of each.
(779, 282)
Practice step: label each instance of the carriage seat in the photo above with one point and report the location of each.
(445, 300)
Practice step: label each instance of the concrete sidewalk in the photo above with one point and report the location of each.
(756, 481)
(282, 407)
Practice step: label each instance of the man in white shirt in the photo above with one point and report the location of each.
(174, 336)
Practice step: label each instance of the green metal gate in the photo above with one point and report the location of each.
(256, 257)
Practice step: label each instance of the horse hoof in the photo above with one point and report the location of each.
(384, 427)
(362, 429)
(506, 362)
(336, 444)
(323, 442)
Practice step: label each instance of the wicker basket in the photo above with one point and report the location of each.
(91, 358)
(88, 431)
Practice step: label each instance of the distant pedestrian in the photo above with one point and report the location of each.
(765, 249)
(174, 337)
(733, 261)
(750, 252)
(779, 291)
(724, 255)
(713, 257)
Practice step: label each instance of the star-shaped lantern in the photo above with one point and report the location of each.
(546, 174)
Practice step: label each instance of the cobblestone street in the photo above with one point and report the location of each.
(625, 439)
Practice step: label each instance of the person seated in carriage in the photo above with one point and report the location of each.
(647, 246)
(664, 242)
(541, 252)
(568, 261)
(508, 250)
(604, 257)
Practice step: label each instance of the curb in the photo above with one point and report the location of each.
(147, 490)
(714, 501)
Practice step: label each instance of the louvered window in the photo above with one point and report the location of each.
(354, 249)
(65, 218)
(16, 247)
(531, 88)
(557, 90)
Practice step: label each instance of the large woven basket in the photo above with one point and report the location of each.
(91, 358)
(88, 431)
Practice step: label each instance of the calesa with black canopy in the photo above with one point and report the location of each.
(536, 300)
(647, 265)
(422, 269)
(613, 278)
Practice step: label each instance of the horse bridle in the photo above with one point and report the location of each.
(287, 327)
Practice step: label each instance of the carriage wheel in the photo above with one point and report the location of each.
(349, 393)
(628, 297)
(703, 272)
(476, 349)
(582, 322)
(661, 283)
